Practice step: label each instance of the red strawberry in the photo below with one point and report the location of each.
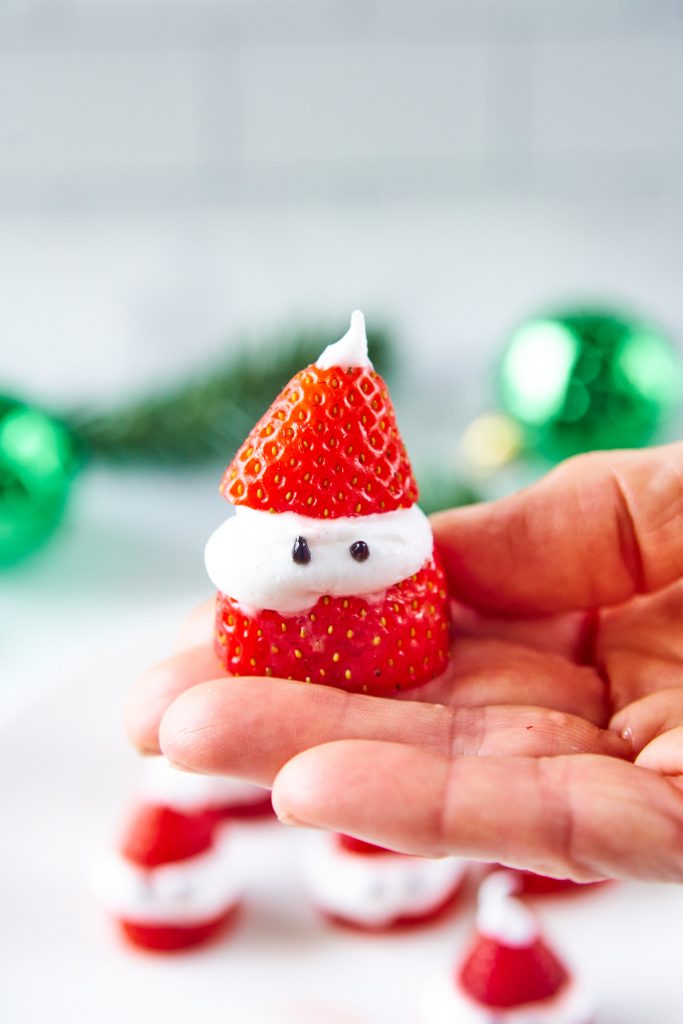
(503, 976)
(159, 835)
(348, 642)
(174, 938)
(328, 446)
(359, 846)
(532, 884)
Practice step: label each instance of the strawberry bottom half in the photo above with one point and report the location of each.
(396, 643)
(167, 938)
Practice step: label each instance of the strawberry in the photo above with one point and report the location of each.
(329, 449)
(359, 846)
(175, 938)
(159, 835)
(379, 648)
(328, 446)
(157, 884)
(531, 884)
(502, 976)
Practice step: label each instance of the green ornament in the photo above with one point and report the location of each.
(38, 459)
(589, 379)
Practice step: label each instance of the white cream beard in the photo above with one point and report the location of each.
(445, 1002)
(374, 889)
(185, 791)
(184, 892)
(249, 557)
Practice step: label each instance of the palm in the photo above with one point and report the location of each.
(508, 756)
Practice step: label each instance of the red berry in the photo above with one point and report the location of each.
(349, 642)
(328, 446)
(159, 835)
(359, 846)
(167, 938)
(531, 884)
(504, 976)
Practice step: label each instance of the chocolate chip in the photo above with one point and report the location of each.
(359, 550)
(301, 553)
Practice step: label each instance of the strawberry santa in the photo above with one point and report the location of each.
(171, 883)
(509, 974)
(327, 571)
(372, 889)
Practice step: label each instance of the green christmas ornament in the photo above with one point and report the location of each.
(587, 379)
(38, 460)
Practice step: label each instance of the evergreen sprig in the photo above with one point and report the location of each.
(209, 416)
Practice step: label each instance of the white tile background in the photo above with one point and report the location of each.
(174, 173)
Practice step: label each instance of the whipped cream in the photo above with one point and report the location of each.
(445, 1003)
(184, 892)
(249, 557)
(351, 350)
(500, 915)
(374, 890)
(184, 791)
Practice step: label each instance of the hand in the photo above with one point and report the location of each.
(570, 599)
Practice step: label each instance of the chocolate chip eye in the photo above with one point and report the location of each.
(301, 553)
(359, 550)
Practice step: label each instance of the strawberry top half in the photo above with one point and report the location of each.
(161, 835)
(327, 447)
(505, 976)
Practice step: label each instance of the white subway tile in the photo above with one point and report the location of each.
(607, 100)
(359, 108)
(83, 114)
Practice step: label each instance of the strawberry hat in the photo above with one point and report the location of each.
(159, 835)
(329, 445)
(508, 964)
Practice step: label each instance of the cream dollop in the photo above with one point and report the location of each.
(351, 350)
(249, 557)
(187, 791)
(184, 892)
(375, 890)
(502, 917)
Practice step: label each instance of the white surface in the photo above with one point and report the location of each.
(66, 768)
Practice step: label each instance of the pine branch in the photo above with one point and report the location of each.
(209, 416)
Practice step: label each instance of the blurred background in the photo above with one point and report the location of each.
(183, 179)
(179, 178)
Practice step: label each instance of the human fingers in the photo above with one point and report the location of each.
(653, 726)
(580, 816)
(570, 635)
(597, 530)
(158, 687)
(639, 646)
(492, 671)
(251, 727)
(644, 720)
(479, 672)
(197, 629)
